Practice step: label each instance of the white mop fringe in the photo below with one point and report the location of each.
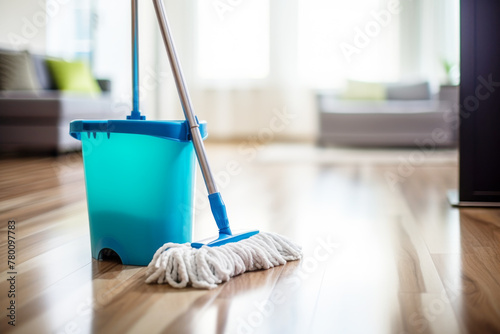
(180, 265)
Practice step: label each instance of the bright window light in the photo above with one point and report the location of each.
(69, 32)
(341, 40)
(232, 39)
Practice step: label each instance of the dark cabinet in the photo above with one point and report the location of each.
(479, 138)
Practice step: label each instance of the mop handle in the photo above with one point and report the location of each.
(184, 97)
(135, 114)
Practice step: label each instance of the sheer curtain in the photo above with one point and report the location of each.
(430, 36)
(341, 40)
(260, 38)
(241, 69)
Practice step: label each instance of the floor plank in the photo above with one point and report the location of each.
(383, 250)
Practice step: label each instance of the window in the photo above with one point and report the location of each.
(69, 30)
(356, 39)
(232, 39)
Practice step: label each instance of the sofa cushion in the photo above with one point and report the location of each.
(42, 72)
(17, 71)
(23, 107)
(73, 76)
(410, 91)
(359, 90)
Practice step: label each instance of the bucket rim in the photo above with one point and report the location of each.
(176, 130)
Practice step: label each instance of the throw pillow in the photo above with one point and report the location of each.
(359, 90)
(42, 72)
(415, 91)
(73, 76)
(17, 71)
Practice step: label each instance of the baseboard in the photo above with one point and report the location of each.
(454, 200)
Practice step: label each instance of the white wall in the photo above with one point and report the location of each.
(23, 24)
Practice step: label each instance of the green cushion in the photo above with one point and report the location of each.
(73, 76)
(359, 90)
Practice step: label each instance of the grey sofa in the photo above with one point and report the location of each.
(38, 120)
(408, 116)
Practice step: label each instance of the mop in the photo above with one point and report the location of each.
(209, 262)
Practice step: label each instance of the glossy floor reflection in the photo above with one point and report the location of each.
(383, 250)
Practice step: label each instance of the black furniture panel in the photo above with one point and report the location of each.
(479, 143)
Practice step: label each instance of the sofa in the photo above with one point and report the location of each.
(37, 105)
(388, 115)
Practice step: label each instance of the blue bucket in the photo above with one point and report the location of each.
(140, 179)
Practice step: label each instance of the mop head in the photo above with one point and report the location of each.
(180, 265)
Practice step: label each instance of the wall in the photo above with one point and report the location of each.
(23, 24)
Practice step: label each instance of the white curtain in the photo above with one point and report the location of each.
(430, 35)
(271, 106)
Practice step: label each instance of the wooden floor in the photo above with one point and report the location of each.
(383, 250)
